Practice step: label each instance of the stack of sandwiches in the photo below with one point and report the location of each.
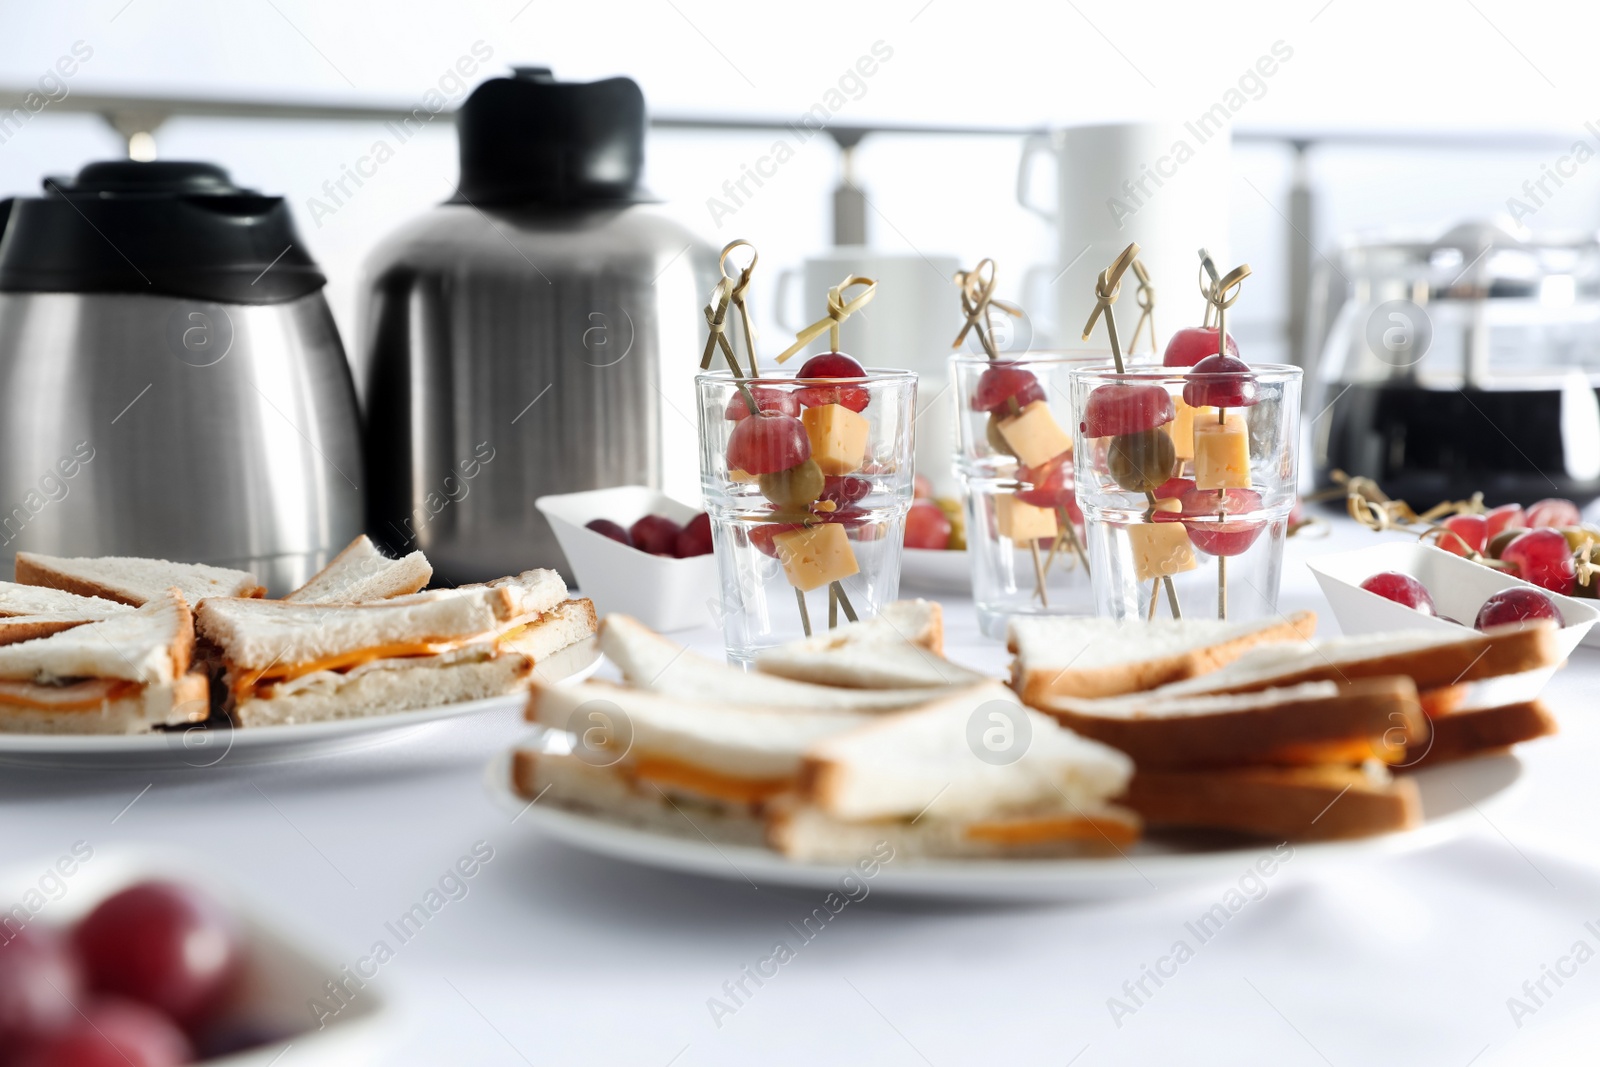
(887, 751)
(1255, 728)
(125, 645)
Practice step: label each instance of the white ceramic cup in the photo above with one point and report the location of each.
(910, 324)
(1162, 184)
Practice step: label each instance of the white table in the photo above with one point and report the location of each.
(554, 956)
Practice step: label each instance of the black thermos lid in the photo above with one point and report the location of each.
(161, 228)
(530, 139)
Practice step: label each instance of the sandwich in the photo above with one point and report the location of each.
(28, 611)
(649, 661)
(127, 673)
(1461, 728)
(287, 662)
(133, 581)
(900, 648)
(360, 572)
(919, 781)
(1095, 657)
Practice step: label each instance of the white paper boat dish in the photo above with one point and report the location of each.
(1458, 586)
(664, 594)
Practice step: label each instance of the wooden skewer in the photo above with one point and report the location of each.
(833, 605)
(1038, 573)
(805, 616)
(844, 602)
(1155, 592)
(1072, 537)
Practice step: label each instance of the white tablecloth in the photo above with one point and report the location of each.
(554, 956)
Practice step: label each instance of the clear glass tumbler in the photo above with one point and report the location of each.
(1014, 453)
(1186, 483)
(807, 498)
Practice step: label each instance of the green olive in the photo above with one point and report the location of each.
(795, 487)
(1142, 461)
(1578, 536)
(997, 440)
(1499, 541)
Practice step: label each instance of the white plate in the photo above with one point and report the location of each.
(932, 570)
(203, 746)
(1453, 799)
(281, 974)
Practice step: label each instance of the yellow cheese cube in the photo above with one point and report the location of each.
(1021, 521)
(1221, 454)
(838, 437)
(1183, 424)
(815, 556)
(1170, 503)
(1160, 549)
(737, 475)
(1035, 436)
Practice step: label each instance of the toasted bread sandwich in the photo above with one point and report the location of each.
(126, 673)
(133, 581)
(28, 611)
(902, 647)
(285, 662)
(360, 572)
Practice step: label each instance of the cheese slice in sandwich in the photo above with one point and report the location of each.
(360, 572)
(1287, 803)
(1308, 723)
(649, 661)
(290, 662)
(973, 773)
(124, 674)
(900, 648)
(1095, 657)
(131, 580)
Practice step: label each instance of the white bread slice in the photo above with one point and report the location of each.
(736, 754)
(1313, 722)
(131, 580)
(925, 761)
(562, 780)
(1431, 659)
(261, 634)
(561, 627)
(17, 599)
(101, 706)
(1096, 657)
(1287, 803)
(360, 573)
(14, 628)
(900, 648)
(387, 687)
(1479, 732)
(151, 645)
(649, 661)
(808, 834)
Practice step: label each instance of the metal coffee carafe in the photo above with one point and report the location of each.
(173, 381)
(536, 334)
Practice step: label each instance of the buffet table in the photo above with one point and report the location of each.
(550, 955)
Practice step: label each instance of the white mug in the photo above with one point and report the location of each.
(910, 323)
(1162, 184)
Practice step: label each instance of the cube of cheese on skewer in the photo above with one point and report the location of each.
(815, 556)
(1022, 521)
(838, 437)
(1160, 549)
(1221, 454)
(1034, 435)
(1183, 424)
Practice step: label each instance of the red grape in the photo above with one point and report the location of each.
(1173, 488)
(1505, 517)
(113, 1033)
(1001, 383)
(854, 397)
(1191, 344)
(1542, 557)
(1553, 511)
(1125, 408)
(1200, 507)
(1516, 605)
(1402, 589)
(927, 526)
(921, 488)
(1220, 382)
(613, 530)
(761, 536)
(768, 398)
(1464, 532)
(165, 944)
(831, 365)
(844, 489)
(1049, 485)
(655, 534)
(39, 983)
(851, 516)
(768, 444)
(695, 537)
